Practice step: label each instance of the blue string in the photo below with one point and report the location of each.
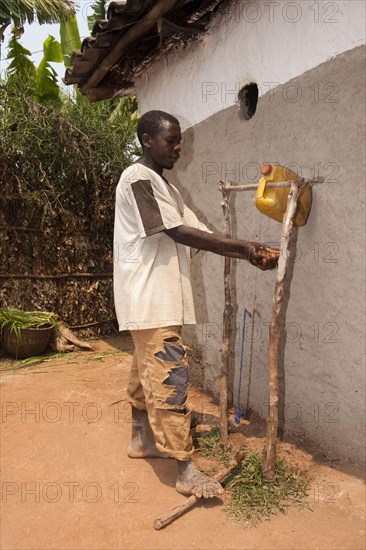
(239, 413)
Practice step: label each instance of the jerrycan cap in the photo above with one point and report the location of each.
(266, 169)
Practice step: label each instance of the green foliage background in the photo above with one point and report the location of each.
(65, 158)
(60, 161)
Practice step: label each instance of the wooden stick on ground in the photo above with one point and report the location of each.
(225, 351)
(166, 519)
(269, 455)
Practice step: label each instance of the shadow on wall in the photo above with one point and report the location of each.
(185, 160)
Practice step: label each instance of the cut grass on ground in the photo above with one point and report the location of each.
(65, 357)
(253, 498)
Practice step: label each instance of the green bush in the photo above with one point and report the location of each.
(65, 158)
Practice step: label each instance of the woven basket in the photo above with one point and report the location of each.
(30, 342)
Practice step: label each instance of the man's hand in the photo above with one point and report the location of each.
(262, 257)
(257, 254)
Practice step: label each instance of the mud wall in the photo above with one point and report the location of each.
(268, 42)
(322, 377)
(307, 59)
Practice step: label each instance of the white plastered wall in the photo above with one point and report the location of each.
(315, 120)
(267, 42)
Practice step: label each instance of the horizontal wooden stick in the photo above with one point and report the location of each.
(253, 186)
(9, 227)
(166, 519)
(57, 276)
(92, 324)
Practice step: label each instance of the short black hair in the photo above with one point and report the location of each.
(151, 122)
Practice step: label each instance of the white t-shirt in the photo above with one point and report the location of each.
(152, 286)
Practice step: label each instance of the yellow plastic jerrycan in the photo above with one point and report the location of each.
(273, 201)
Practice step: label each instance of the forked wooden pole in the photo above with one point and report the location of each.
(269, 453)
(225, 350)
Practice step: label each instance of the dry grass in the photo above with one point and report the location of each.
(253, 498)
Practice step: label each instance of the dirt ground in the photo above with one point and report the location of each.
(67, 482)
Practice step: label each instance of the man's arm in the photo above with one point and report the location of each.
(257, 254)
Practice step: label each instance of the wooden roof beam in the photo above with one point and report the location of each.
(167, 29)
(131, 36)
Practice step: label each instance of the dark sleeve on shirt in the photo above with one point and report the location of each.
(148, 206)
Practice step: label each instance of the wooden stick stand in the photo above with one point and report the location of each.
(274, 340)
(275, 334)
(225, 350)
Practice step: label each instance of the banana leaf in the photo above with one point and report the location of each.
(70, 39)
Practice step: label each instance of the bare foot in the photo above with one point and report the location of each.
(142, 442)
(141, 450)
(191, 481)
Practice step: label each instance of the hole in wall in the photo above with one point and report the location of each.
(248, 99)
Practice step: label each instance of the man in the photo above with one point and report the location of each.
(154, 232)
